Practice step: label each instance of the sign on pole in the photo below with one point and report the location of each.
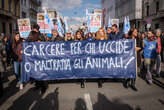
(115, 21)
(94, 17)
(24, 27)
(44, 27)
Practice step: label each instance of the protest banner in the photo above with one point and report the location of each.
(24, 27)
(44, 27)
(79, 59)
(94, 17)
(115, 21)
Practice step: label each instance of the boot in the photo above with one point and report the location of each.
(82, 83)
(133, 82)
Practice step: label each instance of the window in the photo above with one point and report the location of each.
(3, 4)
(22, 2)
(4, 27)
(23, 15)
(15, 8)
(25, 2)
(156, 26)
(9, 5)
(10, 27)
(147, 10)
(157, 7)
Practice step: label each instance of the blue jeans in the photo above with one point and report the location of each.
(149, 64)
(18, 70)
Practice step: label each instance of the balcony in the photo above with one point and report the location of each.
(7, 14)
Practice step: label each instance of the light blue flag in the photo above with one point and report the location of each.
(48, 21)
(88, 21)
(66, 25)
(109, 22)
(126, 25)
(59, 25)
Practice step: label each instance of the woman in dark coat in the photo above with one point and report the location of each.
(17, 57)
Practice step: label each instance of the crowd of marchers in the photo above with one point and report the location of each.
(149, 49)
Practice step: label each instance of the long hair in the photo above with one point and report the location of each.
(88, 35)
(99, 36)
(80, 34)
(130, 33)
(14, 42)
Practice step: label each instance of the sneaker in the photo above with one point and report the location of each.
(150, 82)
(18, 84)
(21, 86)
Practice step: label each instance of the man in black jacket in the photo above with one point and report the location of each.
(115, 34)
(56, 36)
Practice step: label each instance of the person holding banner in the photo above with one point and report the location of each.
(36, 37)
(101, 35)
(133, 34)
(36, 29)
(89, 36)
(78, 36)
(115, 33)
(55, 36)
(109, 31)
(48, 37)
(68, 36)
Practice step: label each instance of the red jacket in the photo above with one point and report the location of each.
(159, 45)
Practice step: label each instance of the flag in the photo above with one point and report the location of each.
(126, 25)
(47, 20)
(88, 21)
(109, 22)
(66, 25)
(60, 29)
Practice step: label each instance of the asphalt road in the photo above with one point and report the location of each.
(68, 95)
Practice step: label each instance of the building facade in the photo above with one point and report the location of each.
(109, 10)
(9, 13)
(131, 8)
(34, 6)
(24, 8)
(119, 9)
(153, 10)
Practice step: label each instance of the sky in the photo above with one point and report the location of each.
(73, 10)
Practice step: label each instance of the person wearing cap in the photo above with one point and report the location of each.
(36, 28)
(68, 36)
(48, 37)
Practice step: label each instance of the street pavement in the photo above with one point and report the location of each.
(68, 95)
